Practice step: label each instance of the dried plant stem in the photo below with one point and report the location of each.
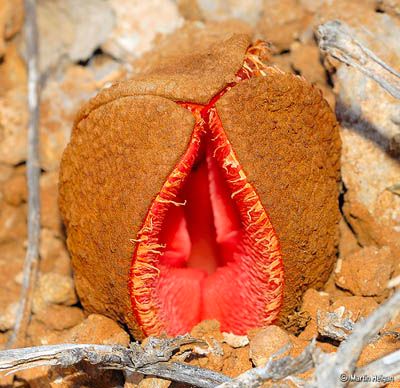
(330, 367)
(275, 370)
(152, 360)
(33, 174)
(386, 366)
(337, 39)
(328, 371)
(155, 359)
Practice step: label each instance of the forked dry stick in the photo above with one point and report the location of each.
(330, 366)
(275, 370)
(337, 39)
(153, 359)
(386, 366)
(343, 362)
(33, 173)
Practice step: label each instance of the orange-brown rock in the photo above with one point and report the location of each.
(283, 21)
(12, 223)
(11, 267)
(271, 341)
(127, 140)
(366, 272)
(13, 112)
(221, 354)
(357, 306)
(54, 256)
(378, 349)
(95, 329)
(14, 189)
(313, 301)
(11, 19)
(347, 241)
(369, 230)
(60, 317)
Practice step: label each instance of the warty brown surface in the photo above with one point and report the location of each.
(125, 144)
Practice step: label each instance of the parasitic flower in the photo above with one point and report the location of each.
(209, 185)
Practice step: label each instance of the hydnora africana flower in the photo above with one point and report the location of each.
(205, 188)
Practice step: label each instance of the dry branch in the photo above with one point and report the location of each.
(330, 368)
(337, 39)
(386, 366)
(33, 173)
(275, 370)
(153, 359)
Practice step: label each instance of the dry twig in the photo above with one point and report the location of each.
(337, 39)
(386, 366)
(275, 370)
(33, 174)
(331, 367)
(153, 359)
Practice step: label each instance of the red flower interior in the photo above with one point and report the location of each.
(207, 249)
